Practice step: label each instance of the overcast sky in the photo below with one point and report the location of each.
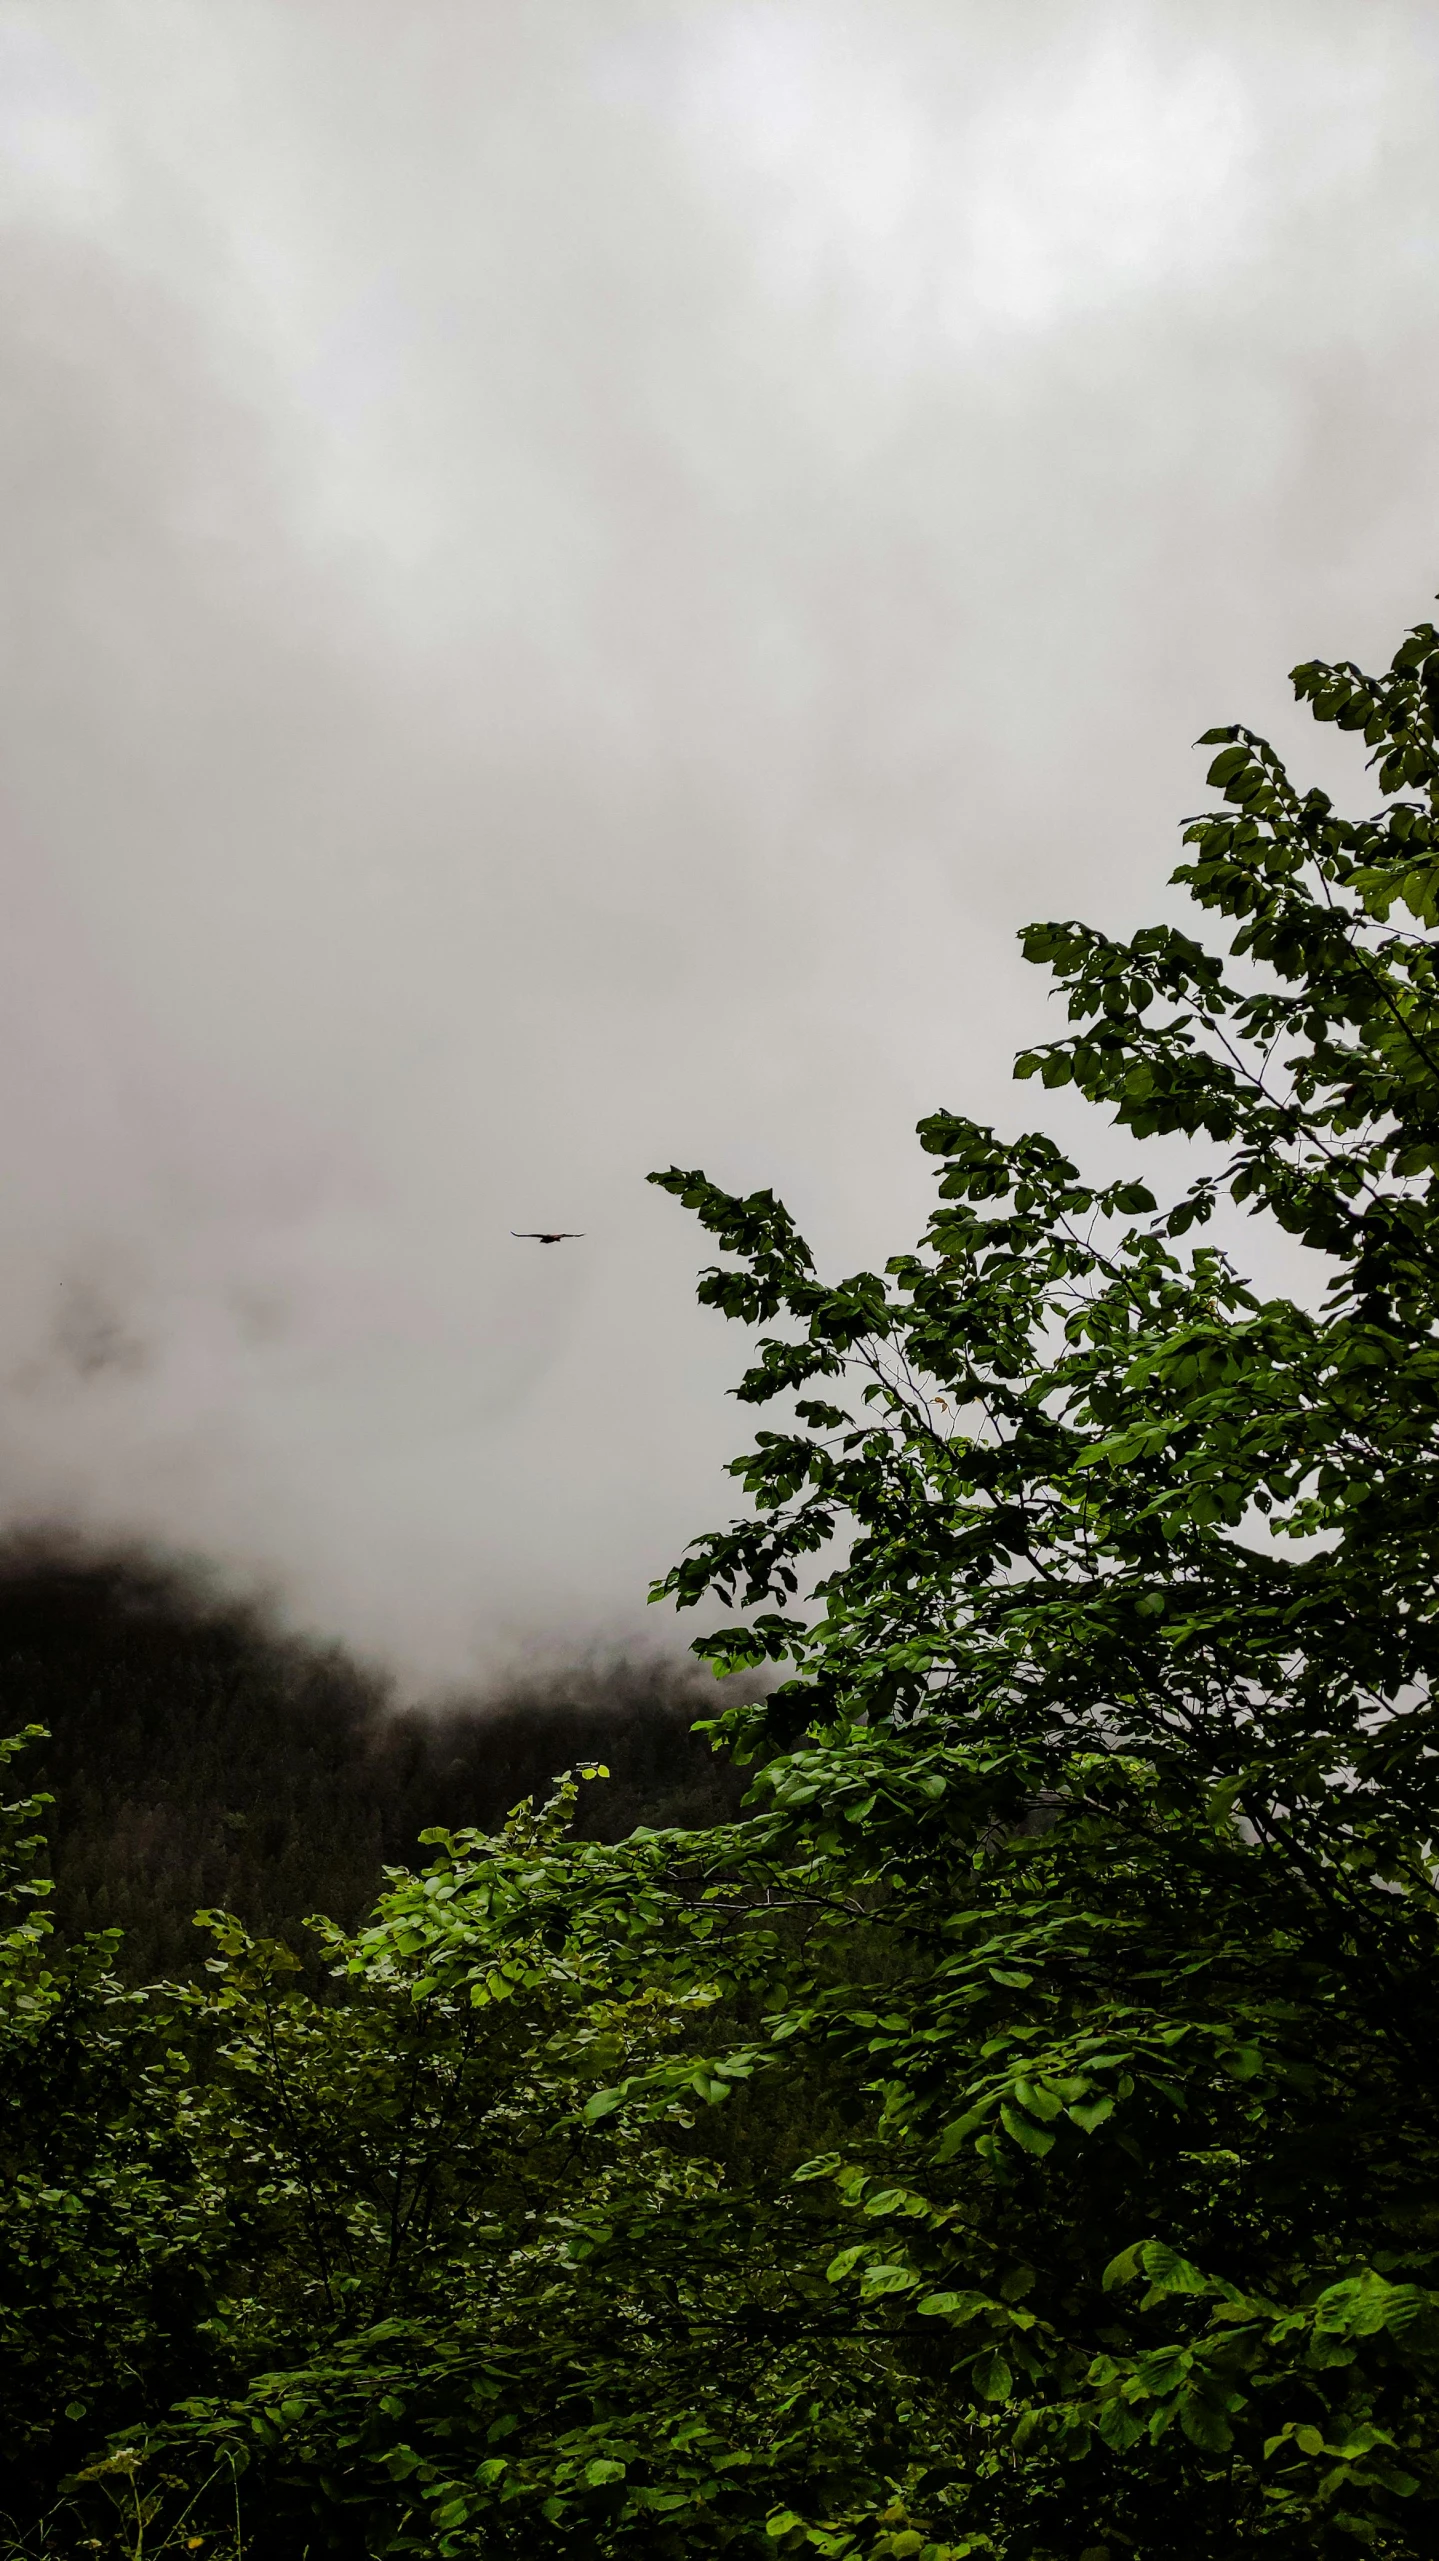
(572, 575)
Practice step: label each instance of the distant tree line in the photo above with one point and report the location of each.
(197, 1756)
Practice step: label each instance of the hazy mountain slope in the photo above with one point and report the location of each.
(199, 1757)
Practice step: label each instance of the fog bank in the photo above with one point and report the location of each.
(571, 577)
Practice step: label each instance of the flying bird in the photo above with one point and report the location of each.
(546, 1235)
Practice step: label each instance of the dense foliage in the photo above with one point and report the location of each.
(1082, 1937)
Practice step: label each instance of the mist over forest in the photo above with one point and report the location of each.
(200, 1758)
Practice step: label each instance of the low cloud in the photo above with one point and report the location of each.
(569, 583)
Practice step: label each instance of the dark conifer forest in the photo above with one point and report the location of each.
(196, 1757)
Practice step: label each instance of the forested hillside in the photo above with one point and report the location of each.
(198, 1757)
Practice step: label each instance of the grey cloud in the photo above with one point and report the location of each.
(570, 580)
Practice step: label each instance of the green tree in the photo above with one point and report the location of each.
(111, 2221)
(1120, 1700)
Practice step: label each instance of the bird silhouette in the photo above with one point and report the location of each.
(546, 1235)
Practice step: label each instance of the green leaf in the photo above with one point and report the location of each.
(886, 2280)
(1124, 2268)
(823, 2166)
(1205, 2426)
(1037, 2100)
(1031, 2138)
(1089, 2114)
(992, 2376)
(1168, 2273)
